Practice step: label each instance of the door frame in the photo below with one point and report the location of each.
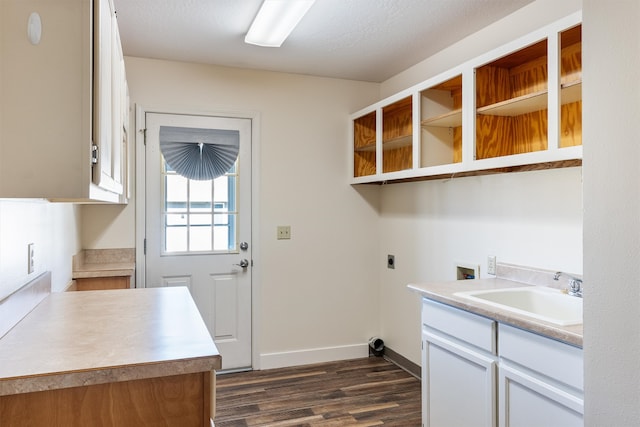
(140, 207)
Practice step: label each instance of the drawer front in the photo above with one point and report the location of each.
(556, 360)
(459, 324)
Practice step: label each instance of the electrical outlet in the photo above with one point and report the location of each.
(491, 265)
(391, 261)
(284, 232)
(31, 266)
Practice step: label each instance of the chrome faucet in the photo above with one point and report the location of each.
(575, 284)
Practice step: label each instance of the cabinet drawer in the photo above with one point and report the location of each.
(556, 360)
(459, 324)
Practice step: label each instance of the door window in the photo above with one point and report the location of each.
(199, 216)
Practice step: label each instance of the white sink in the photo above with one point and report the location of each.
(548, 304)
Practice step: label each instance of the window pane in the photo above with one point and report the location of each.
(175, 235)
(232, 192)
(224, 232)
(221, 238)
(221, 191)
(221, 219)
(200, 238)
(200, 219)
(200, 191)
(176, 193)
(200, 215)
(176, 219)
(232, 232)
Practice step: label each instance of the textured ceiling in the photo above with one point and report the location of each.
(368, 40)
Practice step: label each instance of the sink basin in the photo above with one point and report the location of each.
(548, 304)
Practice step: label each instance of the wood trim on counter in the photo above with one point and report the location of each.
(103, 283)
(179, 400)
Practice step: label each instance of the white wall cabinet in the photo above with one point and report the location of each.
(62, 102)
(477, 372)
(517, 107)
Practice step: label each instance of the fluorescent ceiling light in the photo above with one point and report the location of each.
(275, 21)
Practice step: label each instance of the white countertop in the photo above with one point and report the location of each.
(93, 337)
(444, 293)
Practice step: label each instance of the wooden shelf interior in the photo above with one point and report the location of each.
(397, 135)
(511, 102)
(364, 145)
(571, 81)
(512, 99)
(441, 123)
(441, 105)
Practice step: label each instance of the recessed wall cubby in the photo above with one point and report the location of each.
(515, 108)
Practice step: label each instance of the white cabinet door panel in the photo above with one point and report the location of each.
(458, 385)
(525, 401)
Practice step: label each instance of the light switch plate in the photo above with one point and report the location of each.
(491, 264)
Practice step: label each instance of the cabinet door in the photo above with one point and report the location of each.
(526, 401)
(106, 109)
(458, 385)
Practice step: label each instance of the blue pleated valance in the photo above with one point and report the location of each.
(200, 154)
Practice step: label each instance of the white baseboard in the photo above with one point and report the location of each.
(313, 355)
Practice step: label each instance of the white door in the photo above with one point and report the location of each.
(198, 232)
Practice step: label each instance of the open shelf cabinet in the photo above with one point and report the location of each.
(441, 123)
(364, 145)
(517, 107)
(397, 135)
(571, 87)
(511, 103)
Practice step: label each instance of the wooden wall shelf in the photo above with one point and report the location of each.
(366, 148)
(571, 92)
(512, 120)
(399, 142)
(517, 106)
(448, 120)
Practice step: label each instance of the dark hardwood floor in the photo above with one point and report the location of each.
(363, 392)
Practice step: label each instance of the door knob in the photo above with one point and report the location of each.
(244, 246)
(244, 263)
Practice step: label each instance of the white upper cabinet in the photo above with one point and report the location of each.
(63, 101)
(517, 107)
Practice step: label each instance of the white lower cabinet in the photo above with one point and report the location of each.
(478, 373)
(459, 368)
(540, 381)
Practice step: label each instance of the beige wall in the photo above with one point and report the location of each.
(611, 60)
(320, 288)
(517, 24)
(108, 226)
(53, 228)
(532, 218)
(342, 251)
(424, 224)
